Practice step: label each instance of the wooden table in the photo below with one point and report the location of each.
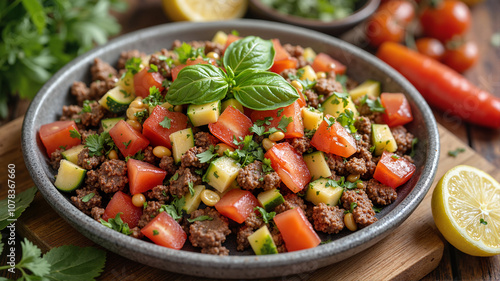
(486, 142)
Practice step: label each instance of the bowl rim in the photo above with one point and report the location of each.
(357, 16)
(114, 241)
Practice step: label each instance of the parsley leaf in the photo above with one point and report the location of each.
(154, 98)
(259, 130)
(97, 143)
(329, 121)
(153, 68)
(347, 120)
(266, 166)
(175, 208)
(32, 260)
(133, 65)
(374, 105)
(117, 224)
(87, 197)
(482, 221)
(376, 209)
(454, 153)
(86, 106)
(208, 155)
(306, 84)
(139, 155)
(141, 115)
(247, 153)
(22, 201)
(200, 218)
(186, 51)
(191, 188)
(284, 123)
(75, 134)
(166, 123)
(266, 216)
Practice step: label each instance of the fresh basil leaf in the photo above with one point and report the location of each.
(249, 53)
(262, 90)
(198, 84)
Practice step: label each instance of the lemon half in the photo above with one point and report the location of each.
(204, 10)
(466, 210)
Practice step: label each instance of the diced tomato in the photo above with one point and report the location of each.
(143, 176)
(301, 100)
(281, 53)
(295, 129)
(165, 231)
(334, 139)
(158, 134)
(237, 204)
(296, 230)
(393, 170)
(323, 62)
(127, 139)
(143, 80)
(289, 165)
(57, 135)
(230, 125)
(177, 69)
(230, 39)
(122, 203)
(397, 109)
(281, 65)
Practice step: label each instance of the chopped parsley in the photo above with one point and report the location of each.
(280, 112)
(208, 155)
(86, 106)
(75, 134)
(201, 218)
(117, 224)
(306, 83)
(216, 175)
(166, 123)
(376, 209)
(141, 115)
(97, 144)
(155, 232)
(153, 68)
(482, 221)
(155, 97)
(175, 208)
(454, 153)
(344, 97)
(374, 105)
(174, 177)
(191, 188)
(309, 133)
(395, 156)
(266, 166)
(87, 197)
(347, 120)
(133, 65)
(126, 144)
(266, 216)
(247, 153)
(186, 51)
(329, 121)
(138, 156)
(353, 205)
(284, 123)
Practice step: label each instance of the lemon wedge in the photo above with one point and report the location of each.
(204, 10)
(466, 209)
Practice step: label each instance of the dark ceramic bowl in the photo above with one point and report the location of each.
(46, 108)
(364, 9)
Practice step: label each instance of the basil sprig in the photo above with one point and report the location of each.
(246, 62)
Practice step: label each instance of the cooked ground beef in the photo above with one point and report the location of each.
(72, 112)
(218, 251)
(356, 166)
(93, 118)
(379, 193)
(301, 145)
(189, 159)
(364, 110)
(278, 240)
(403, 139)
(101, 70)
(86, 133)
(97, 213)
(328, 219)
(252, 223)
(209, 234)
(204, 140)
(125, 56)
(214, 47)
(150, 212)
(180, 186)
(363, 212)
(287, 73)
(149, 157)
(162, 65)
(364, 125)
(110, 177)
(252, 177)
(81, 92)
(336, 164)
(312, 98)
(167, 163)
(99, 88)
(55, 158)
(160, 193)
(86, 207)
(89, 162)
(326, 86)
(291, 201)
(136, 233)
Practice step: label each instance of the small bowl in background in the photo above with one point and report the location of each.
(365, 8)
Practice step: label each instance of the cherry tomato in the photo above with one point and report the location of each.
(389, 22)
(446, 20)
(430, 47)
(463, 57)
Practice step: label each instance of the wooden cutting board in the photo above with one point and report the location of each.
(410, 252)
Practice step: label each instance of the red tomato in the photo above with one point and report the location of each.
(57, 134)
(143, 80)
(323, 62)
(230, 39)
(295, 129)
(463, 57)
(127, 139)
(296, 230)
(333, 139)
(281, 53)
(448, 19)
(397, 109)
(165, 231)
(177, 69)
(301, 100)
(430, 47)
(230, 125)
(389, 22)
(237, 204)
(143, 176)
(281, 65)
(393, 170)
(156, 133)
(122, 203)
(289, 165)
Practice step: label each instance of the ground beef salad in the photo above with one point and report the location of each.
(236, 136)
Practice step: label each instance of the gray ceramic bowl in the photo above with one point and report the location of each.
(46, 108)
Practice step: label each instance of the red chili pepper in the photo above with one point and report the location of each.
(442, 87)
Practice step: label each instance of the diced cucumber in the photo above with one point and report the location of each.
(182, 141)
(109, 123)
(318, 192)
(202, 114)
(269, 199)
(220, 37)
(69, 176)
(309, 54)
(127, 82)
(311, 118)
(233, 185)
(334, 106)
(117, 100)
(222, 172)
(317, 165)
(309, 73)
(383, 139)
(234, 103)
(72, 154)
(192, 202)
(262, 242)
(369, 87)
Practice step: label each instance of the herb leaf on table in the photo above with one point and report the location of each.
(22, 201)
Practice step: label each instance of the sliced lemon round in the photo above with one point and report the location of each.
(204, 10)
(466, 209)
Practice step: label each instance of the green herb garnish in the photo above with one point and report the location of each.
(117, 224)
(266, 216)
(200, 218)
(454, 153)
